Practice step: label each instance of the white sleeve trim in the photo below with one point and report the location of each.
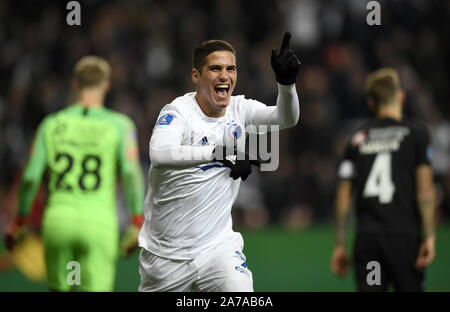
(346, 170)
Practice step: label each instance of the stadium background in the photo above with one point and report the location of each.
(286, 215)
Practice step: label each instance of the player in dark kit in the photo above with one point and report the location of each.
(387, 166)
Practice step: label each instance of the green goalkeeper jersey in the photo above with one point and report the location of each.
(85, 150)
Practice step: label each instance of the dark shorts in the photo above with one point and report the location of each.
(396, 255)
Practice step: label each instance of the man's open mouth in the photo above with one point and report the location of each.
(222, 90)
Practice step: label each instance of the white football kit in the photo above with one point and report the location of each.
(187, 238)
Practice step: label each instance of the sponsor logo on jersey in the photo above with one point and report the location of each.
(165, 119)
(387, 139)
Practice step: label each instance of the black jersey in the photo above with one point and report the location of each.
(381, 158)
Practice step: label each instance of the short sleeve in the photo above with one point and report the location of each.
(347, 168)
(423, 146)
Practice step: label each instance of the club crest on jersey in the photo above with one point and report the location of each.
(359, 138)
(234, 130)
(165, 119)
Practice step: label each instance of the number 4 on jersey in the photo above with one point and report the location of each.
(379, 183)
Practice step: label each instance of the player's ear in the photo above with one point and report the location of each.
(107, 86)
(401, 96)
(75, 85)
(195, 75)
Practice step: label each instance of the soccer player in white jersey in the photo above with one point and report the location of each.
(187, 238)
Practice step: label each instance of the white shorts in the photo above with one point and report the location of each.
(222, 269)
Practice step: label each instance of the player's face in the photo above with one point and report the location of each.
(216, 82)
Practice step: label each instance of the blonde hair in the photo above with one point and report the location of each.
(91, 71)
(382, 86)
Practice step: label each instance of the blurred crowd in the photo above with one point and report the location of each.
(149, 45)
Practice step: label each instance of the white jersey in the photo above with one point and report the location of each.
(188, 210)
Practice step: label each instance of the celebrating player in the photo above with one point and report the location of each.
(387, 166)
(84, 147)
(187, 237)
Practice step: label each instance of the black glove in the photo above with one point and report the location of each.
(285, 65)
(239, 163)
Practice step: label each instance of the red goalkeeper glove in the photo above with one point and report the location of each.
(130, 239)
(16, 232)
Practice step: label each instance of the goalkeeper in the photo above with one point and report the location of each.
(84, 147)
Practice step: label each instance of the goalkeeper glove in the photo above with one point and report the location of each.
(16, 232)
(130, 239)
(286, 64)
(28, 257)
(239, 163)
(26, 249)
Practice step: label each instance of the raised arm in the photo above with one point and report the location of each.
(287, 111)
(285, 114)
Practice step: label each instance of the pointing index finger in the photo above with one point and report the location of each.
(285, 42)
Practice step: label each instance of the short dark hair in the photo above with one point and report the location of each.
(382, 85)
(207, 47)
